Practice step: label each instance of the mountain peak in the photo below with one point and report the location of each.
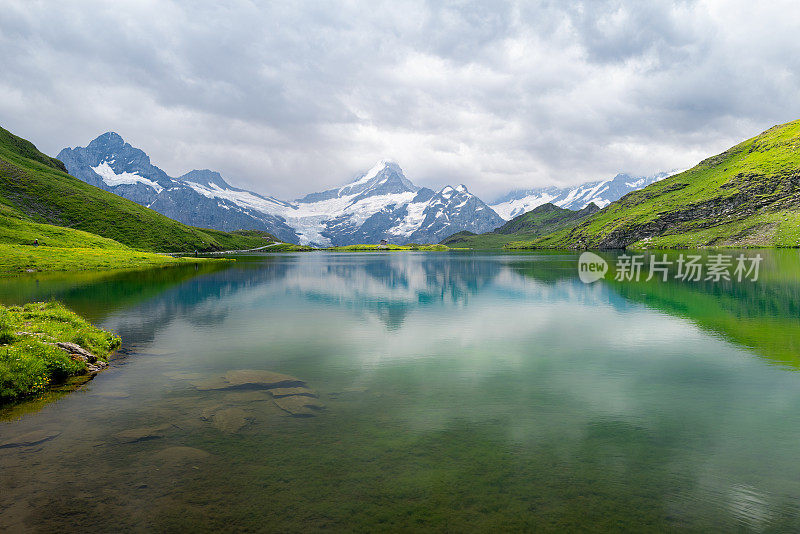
(108, 139)
(205, 177)
(380, 165)
(385, 177)
(601, 192)
(449, 190)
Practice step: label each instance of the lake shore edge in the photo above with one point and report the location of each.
(44, 344)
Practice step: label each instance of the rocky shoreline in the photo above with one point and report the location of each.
(93, 364)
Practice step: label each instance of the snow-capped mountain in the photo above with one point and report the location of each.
(384, 204)
(199, 198)
(602, 193)
(380, 204)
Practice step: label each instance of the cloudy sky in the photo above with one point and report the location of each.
(290, 97)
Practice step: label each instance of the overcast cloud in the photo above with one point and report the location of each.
(291, 97)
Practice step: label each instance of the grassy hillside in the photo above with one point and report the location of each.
(36, 191)
(748, 196)
(540, 221)
(65, 249)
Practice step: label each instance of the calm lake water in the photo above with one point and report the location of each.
(461, 392)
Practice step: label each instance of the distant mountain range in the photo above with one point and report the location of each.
(384, 204)
(747, 196)
(80, 225)
(198, 198)
(380, 204)
(600, 193)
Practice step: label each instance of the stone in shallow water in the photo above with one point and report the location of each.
(29, 438)
(211, 383)
(230, 420)
(263, 379)
(288, 392)
(144, 433)
(299, 405)
(248, 378)
(238, 397)
(347, 391)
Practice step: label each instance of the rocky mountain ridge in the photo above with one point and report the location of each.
(380, 204)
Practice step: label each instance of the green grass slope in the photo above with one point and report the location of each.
(748, 196)
(37, 195)
(540, 221)
(65, 249)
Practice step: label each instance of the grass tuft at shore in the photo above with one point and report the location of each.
(29, 360)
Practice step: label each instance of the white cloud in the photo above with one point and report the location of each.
(286, 98)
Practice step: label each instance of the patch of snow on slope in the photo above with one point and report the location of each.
(309, 229)
(512, 208)
(412, 221)
(637, 184)
(308, 218)
(112, 179)
(582, 193)
(244, 199)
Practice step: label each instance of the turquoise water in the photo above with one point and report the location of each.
(461, 392)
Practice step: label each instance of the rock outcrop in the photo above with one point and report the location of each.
(145, 433)
(76, 352)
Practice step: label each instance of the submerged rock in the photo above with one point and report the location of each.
(211, 384)
(30, 438)
(230, 420)
(239, 397)
(227, 419)
(288, 392)
(263, 379)
(299, 405)
(144, 433)
(347, 391)
(249, 378)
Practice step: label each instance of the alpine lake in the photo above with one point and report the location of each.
(413, 391)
